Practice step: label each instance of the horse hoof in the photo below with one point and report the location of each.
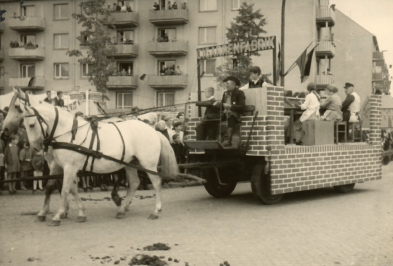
(120, 215)
(81, 219)
(64, 216)
(153, 217)
(40, 218)
(54, 223)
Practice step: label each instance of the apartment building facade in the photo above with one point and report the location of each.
(36, 36)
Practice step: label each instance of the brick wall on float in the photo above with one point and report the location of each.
(296, 168)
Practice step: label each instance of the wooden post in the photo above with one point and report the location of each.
(282, 57)
(199, 86)
(274, 62)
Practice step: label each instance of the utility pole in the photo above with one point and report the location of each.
(282, 57)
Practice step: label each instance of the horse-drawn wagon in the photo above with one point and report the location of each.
(275, 168)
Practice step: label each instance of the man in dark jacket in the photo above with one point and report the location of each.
(233, 104)
(210, 121)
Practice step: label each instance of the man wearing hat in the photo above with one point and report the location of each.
(351, 105)
(332, 105)
(233, 104)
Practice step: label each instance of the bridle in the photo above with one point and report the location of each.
(48, 138)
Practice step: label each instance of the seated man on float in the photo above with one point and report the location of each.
(256, 81)
(233, 104)
(311, 106)
(210, 121)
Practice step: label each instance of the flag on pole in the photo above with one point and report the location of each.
(304, 63)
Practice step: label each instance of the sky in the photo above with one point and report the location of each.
(376, 16)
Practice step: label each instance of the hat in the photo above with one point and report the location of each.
(347, 85)
(332, 88)
(234, 79)
(311, 87)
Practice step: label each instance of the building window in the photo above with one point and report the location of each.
(86, 68)
(61, 70)
(165, 98)
(207, 35)
(27, 11)
(124, 100)
(125, 36)
(61, 41)
(27, 39)
(208, 66)
(236, 4)
(27, 70)
(61, 11)
(125, 68)
(166, 35)
(207, 5)
(166, 68)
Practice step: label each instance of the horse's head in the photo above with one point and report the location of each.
(15, 113)
(33, 128)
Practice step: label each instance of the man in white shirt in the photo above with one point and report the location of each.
(256, 81)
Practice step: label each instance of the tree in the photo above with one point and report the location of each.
(96, 35)
(248, 26)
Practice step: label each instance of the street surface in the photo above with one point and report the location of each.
(317, 227)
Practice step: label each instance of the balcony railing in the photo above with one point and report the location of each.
(1, 55)
(122, 82)
(38, 84)
(377, 76)
(378, 56)
(126, 50)
(27, 24)
(1, 27)
(130, 19)
(22, 54)
(324, 80)
(158, 82)
(326, 48)
(168, 17)
(177, 48)
(326, 14)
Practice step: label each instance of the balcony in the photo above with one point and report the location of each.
(124, 19)
(122, 82)
(377, 56)
(325, 15)
(377, 76)
(27, 24)
(323, 80)
(126, 50)
(168, 17)
(163, 82)
(23, 54)
(38, 83)
(326, 48)
(1, 55)
(178, 48)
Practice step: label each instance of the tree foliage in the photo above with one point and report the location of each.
(96, 35)
(247, 26)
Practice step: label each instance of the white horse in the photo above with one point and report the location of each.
(141, 142)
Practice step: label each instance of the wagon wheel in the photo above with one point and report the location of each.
(219, 187)
(260, 185)
(344, 188)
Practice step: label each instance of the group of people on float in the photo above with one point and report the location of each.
(232, 106)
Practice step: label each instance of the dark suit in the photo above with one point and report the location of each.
(208, 128)
(238, 103)
(258, 84)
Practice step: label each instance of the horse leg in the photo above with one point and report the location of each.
(50, 187)
(156, 182)
(81, 208)
(133, 181)
(68, 183)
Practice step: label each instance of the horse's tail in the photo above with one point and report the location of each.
(167, 157)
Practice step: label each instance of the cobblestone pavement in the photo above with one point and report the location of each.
(317, 227)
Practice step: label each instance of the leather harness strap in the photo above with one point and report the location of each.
(47, 138)
(122, 140)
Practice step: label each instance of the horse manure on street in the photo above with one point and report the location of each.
(142, 259)
(157, 246)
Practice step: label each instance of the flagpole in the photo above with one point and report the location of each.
(282, 57)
